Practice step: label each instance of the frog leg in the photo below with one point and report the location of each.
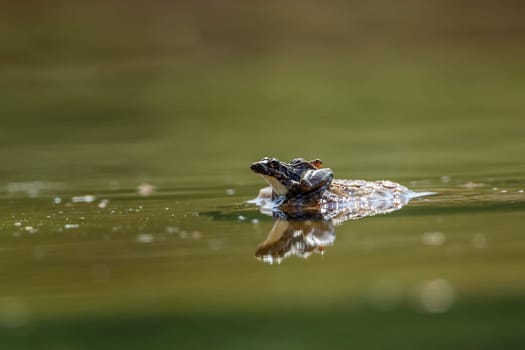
(316, 179)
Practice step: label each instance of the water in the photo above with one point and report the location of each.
(185, 255)
(125, 174)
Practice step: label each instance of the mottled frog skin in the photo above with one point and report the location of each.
(306, 187)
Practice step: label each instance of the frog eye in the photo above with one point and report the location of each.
(274, 163)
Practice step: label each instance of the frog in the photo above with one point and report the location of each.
(303, 185)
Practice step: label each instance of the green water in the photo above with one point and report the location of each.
(159, 133)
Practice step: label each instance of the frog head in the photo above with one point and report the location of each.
(297, 177)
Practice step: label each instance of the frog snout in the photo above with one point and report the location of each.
(256, 167)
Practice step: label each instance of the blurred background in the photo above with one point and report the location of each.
(178, 98)
(146, 88)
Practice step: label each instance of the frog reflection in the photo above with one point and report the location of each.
(295, 236)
